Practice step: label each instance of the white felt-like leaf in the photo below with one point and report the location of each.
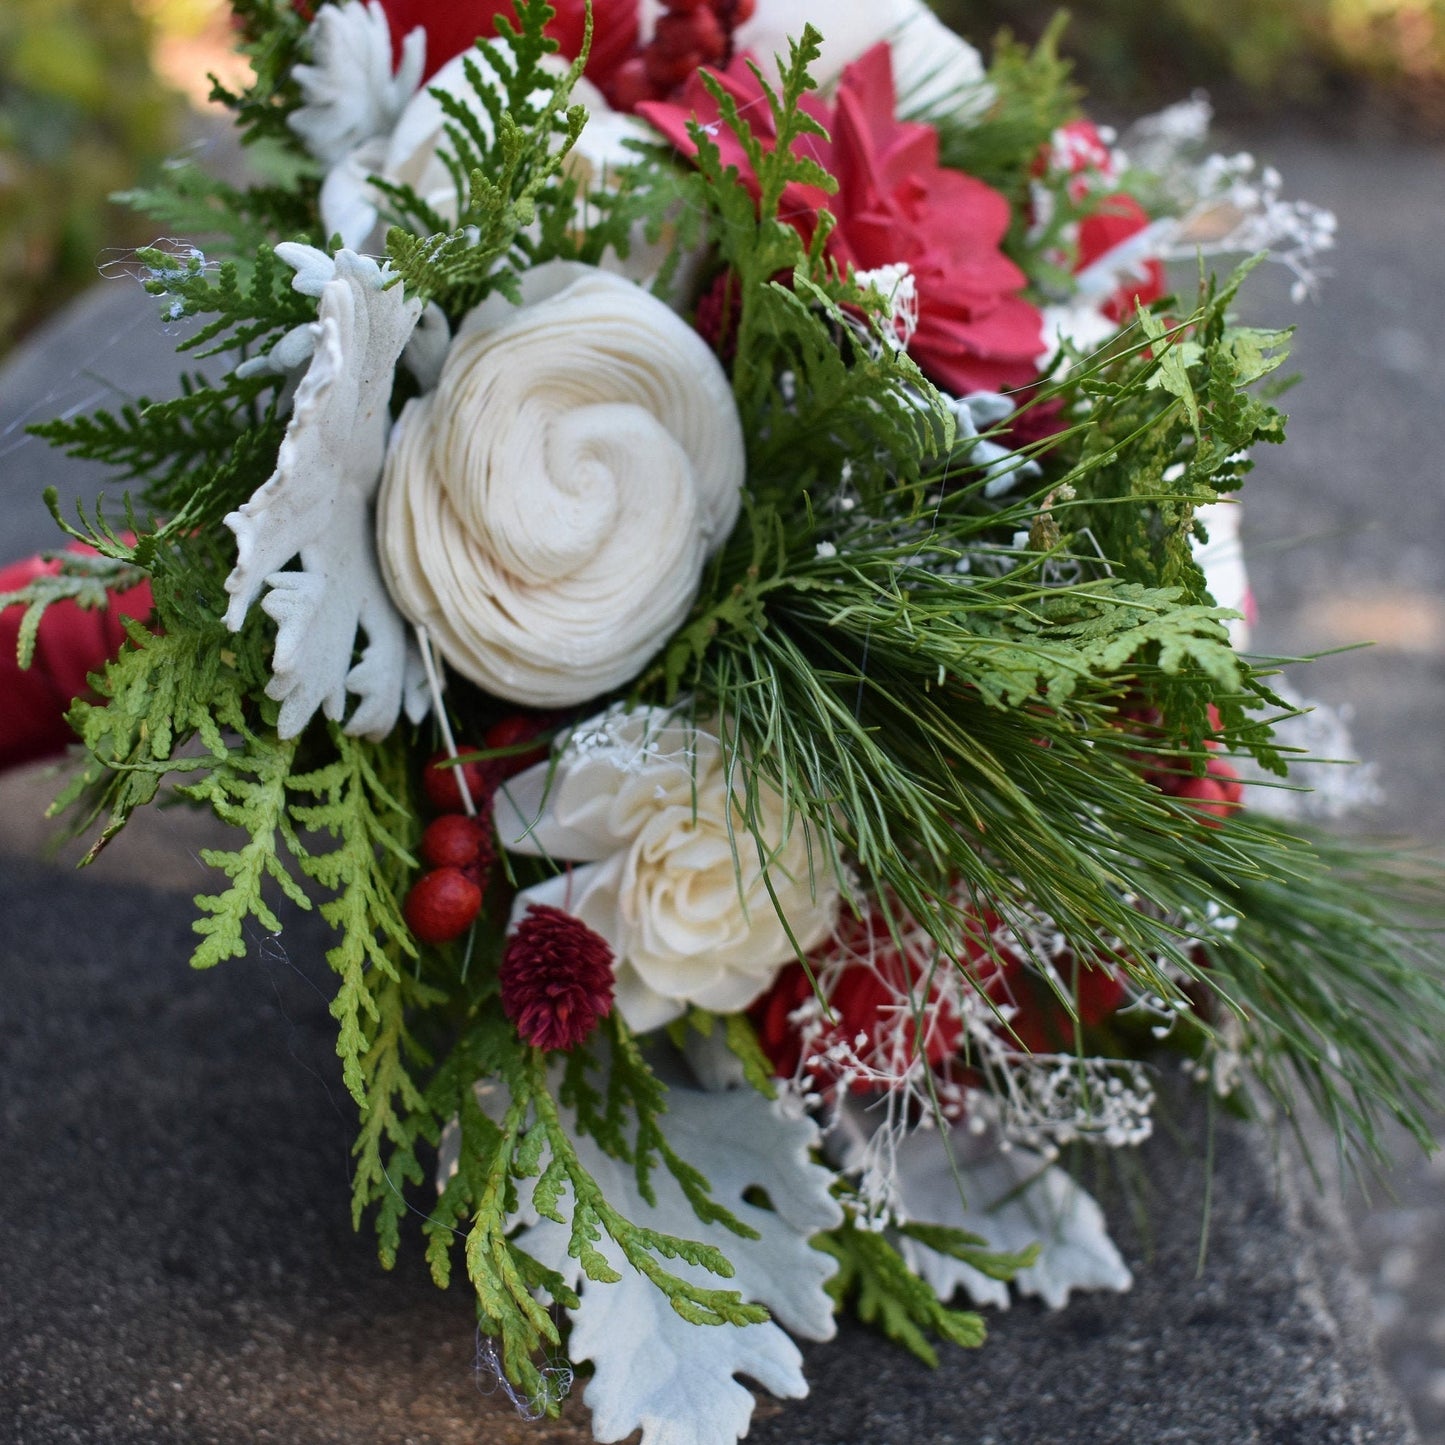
(1013, 1199)
(317, 503)
(350, 94)
(654, 1371)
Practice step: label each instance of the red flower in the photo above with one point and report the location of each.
(871, 986)
(894, 204)
(72, 644)
(1119, 219)
(452, 26)
(556, 979)
(1080, 152)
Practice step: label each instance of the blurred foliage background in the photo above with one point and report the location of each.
(1342, 63)
(95, 93)
(81, 113)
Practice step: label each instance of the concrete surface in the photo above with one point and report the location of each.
(178, 1265)
(179, 1268)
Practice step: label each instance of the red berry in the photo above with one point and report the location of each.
(686, 7)
(442, 905)
(1227, 778)
(668, 72)
(512, 732)
(1208, 796)
(456, 841)
(629, 85)
(698, 33)
(439, 782)
(742, 12)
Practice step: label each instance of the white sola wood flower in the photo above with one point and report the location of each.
(317, 503)
(673, 877)
(932, 67)
(548, 509)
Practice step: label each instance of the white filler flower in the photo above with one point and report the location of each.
(547, 511)
(673, 877)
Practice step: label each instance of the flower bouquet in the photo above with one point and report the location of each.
(702, 545)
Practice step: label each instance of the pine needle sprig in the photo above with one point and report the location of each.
(1333, 974)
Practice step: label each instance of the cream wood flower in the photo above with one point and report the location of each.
(546, 512)
(933, 67)
(671, 876)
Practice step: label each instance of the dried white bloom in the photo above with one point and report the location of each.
(548, 509)
(350, 93)
(898, 287)
(1224, 205)
(318, 503)
(673, 875)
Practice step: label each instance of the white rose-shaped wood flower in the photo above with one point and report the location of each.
(546, 512)
(673, 877)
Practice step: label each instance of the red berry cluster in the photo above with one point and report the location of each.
(689, 35)
(1217, 794)
(460, 849)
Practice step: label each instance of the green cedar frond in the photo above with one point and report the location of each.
(504, 181)
(888, 1294)
(200, 455)
(495, 1149)
(247, 790)
(247, 310)
(274, 36)
(188, 201)
(367, 871)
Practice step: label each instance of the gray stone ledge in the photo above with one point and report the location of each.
(179, 1267)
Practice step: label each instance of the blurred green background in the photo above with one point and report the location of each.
(95, 93)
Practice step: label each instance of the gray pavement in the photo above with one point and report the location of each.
(178, 1265)
(1345, 527)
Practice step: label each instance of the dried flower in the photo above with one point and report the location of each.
(556, 978)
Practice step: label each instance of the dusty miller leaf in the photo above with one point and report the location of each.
(681, 1389)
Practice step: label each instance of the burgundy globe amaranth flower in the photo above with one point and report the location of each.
(556, 979)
